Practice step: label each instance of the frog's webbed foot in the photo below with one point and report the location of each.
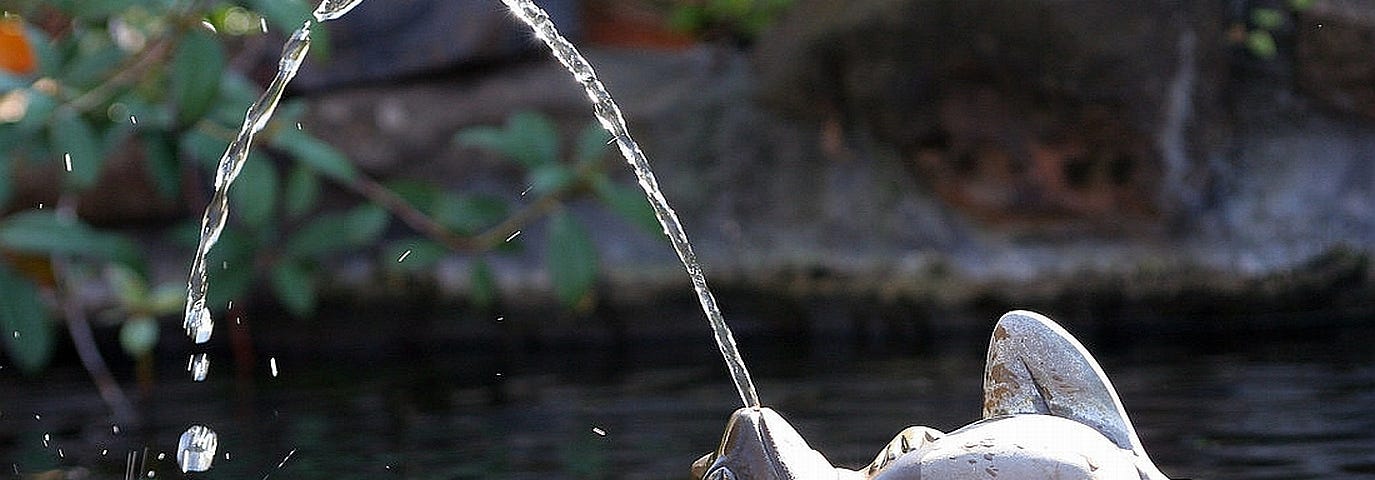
(908, 440)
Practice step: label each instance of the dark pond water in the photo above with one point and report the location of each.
(1238, 406)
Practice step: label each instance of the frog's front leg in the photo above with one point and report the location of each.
(908, 440)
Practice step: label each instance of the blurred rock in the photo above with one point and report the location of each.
(1040, 114)
(397, 38)
(1335, 54)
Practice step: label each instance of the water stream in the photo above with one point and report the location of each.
(198, 444)
(609, 115)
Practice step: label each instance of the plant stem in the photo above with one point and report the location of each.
(80, 330)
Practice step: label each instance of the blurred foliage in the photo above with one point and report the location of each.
(739, 19)
(1268, 22)
(85, 82)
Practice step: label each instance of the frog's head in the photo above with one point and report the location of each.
(760, 445)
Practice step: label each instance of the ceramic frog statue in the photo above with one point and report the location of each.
(1048, 412)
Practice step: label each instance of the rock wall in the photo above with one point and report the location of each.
(948, 149)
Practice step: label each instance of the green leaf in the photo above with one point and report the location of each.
(285, 15)
(1267, 18)
(413, 254)
(367, 222)
(93, 65)
(551, 178)
(203, 147)
(129, 288)
(628, 202)
(1261, 44)
(529, 138)
(254, 192)
(161, 164)
(73, 138)
(197, 67)
(42, 232)
(98, 9)
(468, 215)
(138, 336)
(315, 154)
(302, 189)
(571, 259)
(536, 137)
(484, 291)
(591, 145)
(334, 232)
(230, 267)
(295, 287)
(24, 324)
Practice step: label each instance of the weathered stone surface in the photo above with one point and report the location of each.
(1334, 58)
(1040, 113)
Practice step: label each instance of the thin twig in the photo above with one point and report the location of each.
(80, 330)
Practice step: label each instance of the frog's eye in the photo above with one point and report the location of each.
(722, 473)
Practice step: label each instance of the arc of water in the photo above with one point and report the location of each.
(609, 115)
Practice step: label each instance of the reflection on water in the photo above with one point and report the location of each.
(1206, 408)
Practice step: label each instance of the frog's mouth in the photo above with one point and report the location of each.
(759, 444)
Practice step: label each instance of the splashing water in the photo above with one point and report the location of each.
(196, 449)
(609, 115)
(332, 9)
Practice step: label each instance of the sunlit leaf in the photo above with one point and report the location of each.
(24, 324)
(295, 287)
(302, 188)
(254, 193)
(1261, 44)
(197, 67)
(571, 259)
(73, 138)
(628, 202)
(138, 336)
(315, 154)
(42, 232)
(484, 291)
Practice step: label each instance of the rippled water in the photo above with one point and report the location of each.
(1237, 406)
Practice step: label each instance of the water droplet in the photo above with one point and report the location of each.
(200, 325)
(209, 26)
(513, 236)
(262, 24)
(67, 161)
(104, 451)
(272, 364)
(133, 120)
(114, 429)
(162, 455)
(46, 438)
(599, 431)
(332, 9)
(403, 256)
(196, 450)
(61, 454)
(200, 366)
